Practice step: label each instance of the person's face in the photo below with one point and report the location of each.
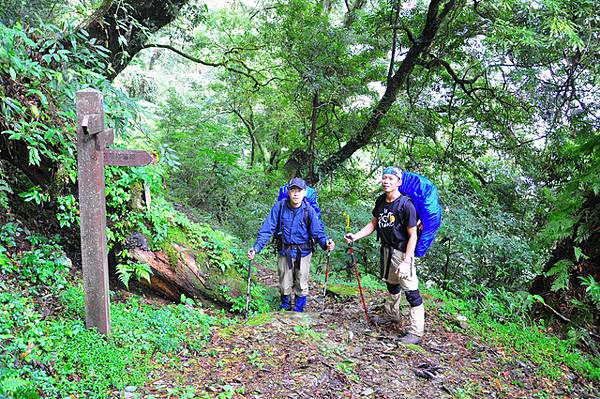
(390, 183)
(296, 196)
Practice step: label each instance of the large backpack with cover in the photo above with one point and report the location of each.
(425, 198)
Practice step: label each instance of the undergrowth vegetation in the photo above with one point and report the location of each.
(505, 319)
(46, 351)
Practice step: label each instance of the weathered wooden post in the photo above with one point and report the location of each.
(92, 155)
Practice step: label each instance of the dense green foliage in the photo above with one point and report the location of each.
(505, 319)
(483, 114)
(499, 109)
(42, 351)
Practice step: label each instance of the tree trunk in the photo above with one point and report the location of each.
(434, 19)
(313, 134)
(189, 272)
(248, 122)
(17, 153)
(123, 26)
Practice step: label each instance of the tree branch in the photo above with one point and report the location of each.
(394, 39)
(462, 82)
(351, 13)
(223, 64)
(421, 45)
(123, 27)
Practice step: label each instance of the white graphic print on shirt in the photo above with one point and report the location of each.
(386, 219)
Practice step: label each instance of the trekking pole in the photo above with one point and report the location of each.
(248, 288)
(327, 265)
(358, 280)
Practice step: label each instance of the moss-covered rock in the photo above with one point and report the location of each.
(341, 290)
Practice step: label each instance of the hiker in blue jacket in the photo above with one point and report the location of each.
(296, 225)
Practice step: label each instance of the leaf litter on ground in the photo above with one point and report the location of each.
(331, 352)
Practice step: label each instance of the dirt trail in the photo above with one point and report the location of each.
(335, 354)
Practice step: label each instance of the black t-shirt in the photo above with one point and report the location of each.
(393, 220)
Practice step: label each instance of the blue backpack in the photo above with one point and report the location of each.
(424, 195)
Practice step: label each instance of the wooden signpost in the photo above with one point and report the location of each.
(92, 155)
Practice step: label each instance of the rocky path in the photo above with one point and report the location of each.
(335, 354)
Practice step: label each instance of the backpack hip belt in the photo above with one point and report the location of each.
(288, 249)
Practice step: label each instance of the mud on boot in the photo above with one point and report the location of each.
(411, 339)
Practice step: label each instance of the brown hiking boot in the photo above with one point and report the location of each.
(411, 339)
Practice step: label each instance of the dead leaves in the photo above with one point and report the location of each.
(334, 354)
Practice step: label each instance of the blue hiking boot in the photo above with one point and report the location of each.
(300, 303)
(285, 302)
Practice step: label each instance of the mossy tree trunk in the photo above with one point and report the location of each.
(181, 270)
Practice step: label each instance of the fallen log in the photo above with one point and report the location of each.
(190, 273)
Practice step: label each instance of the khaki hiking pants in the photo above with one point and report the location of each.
(392, 304)
(295, 279)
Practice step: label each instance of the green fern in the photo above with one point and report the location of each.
(4, 191)
(561, 270)
(592, 289)
(12, 386)
(138, 270)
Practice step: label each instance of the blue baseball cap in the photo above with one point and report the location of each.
(297, 182)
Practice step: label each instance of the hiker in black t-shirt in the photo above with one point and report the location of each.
(395, 219)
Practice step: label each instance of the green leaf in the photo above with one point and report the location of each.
(122, 40)
(579, 254)
(145, 275)
(124, 273)
(35, 111)
(561, 270)
(34, 156)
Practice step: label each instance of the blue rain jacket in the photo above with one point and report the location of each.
(295, 231)
(425, 197)
(311, 197)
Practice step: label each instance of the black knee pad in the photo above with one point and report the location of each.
(393, 288)
(413, 298)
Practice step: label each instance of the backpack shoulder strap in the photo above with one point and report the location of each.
(306, 211)
(403, 200)
(378, 203)
(279, 228)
